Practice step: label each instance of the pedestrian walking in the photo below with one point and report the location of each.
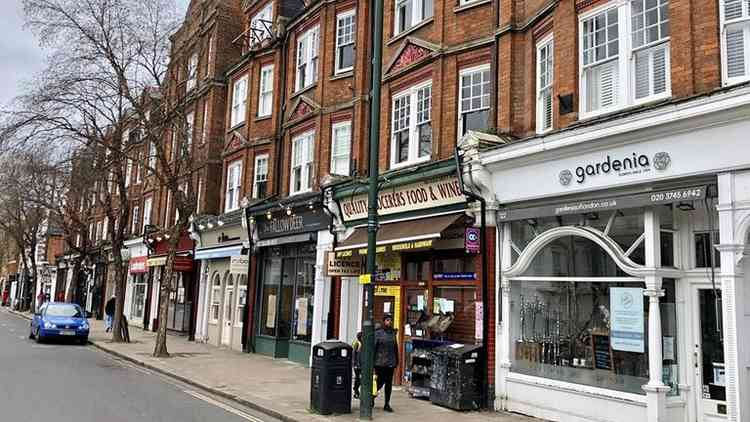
(386, 358)
(357, 363)
(109, 313)
(40, 299)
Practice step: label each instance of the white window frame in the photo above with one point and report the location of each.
(257, 174)
(192, 72)
(215, 300)
(461, 111)
(152, 156)
(189, 128)
(307, 143)
(307, 55)
(724, 23)
(265, 91)
(204, 127)
(128, 171)
(239, 101)
(167, 209)
(340, 18)
(136, 220)
(414, 158)
(239, 315)
(546, 42)
(347, 158)
(416, 18)
(266, 13)
(148, 203)
(99, 231)
(105, 228)
(198, 195)
(233, 186)
(625, 62)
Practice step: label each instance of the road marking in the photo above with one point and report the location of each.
(223, 406)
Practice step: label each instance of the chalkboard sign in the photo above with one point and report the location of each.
(602, 352)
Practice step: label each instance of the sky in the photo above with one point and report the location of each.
(20, 54)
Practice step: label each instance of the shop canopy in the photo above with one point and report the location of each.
(403, 235)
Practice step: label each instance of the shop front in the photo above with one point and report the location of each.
(180, 315)
(137, 283)
(223, 290)
(292, 300)
(623, 268)
(429, 266)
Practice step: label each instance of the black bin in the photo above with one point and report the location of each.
(331, 384)
(455, 381)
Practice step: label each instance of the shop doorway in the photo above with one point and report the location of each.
(228, 319)
(709, 355)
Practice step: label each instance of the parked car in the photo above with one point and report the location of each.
(60, 321)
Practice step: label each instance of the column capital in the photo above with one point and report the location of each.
(654, 293)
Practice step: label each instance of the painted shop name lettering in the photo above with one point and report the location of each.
(283, 225)
(635, 164)
(402, 199)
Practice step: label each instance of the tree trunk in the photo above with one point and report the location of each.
(120, 275)
(160, 348)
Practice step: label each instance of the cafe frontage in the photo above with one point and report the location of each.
(623, 258)
(221, 248)
(430, 276)
(291, 299)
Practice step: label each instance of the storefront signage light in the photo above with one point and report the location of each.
(622, 166)
(417, 196)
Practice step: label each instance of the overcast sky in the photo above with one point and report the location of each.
(20, 54)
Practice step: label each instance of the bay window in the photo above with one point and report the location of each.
(302, 163)
(192, 71)
(410, 13)
(735, 40)
(147, 205)
(411, 139)
(261, 25)
(474, 100)
(136, 219)
(345, 33)
(189, 127)
(544, 78)
(307, 58)
(624, 56)
(265, 100)
(234, 177)
(341, 146)
(239, 101)
(260, 184)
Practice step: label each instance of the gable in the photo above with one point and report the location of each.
(302, 108)
(411, 52)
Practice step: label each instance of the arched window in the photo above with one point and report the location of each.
(215, 297)
(229, 298)
(241, 299)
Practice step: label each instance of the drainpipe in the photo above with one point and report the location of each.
(494, 66)
(282, 111)
(485, 271)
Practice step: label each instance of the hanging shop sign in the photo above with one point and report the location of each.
(692, 193)
(239, 264)
(627, 321)
(138, 265)
(471, 240)
(417, 196)
(350, 266)
(282, 224)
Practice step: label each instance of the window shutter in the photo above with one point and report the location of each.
(651, 72)
(602, 86)
(735, 52)
(548, 109)
(659, 69)
(732, 9)
(642, 88)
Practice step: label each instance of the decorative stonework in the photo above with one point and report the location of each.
(302, 110)
(409, 55)
(235, 142)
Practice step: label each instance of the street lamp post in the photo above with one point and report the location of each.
(368, 328)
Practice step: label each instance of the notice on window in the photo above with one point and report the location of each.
(627, 322)
(271, 314)
(478, 320)
(302, 316)
(420, 302)
(387, 307)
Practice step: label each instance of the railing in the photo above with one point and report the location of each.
(260, 34)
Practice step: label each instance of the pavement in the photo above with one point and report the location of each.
(72, 383)
(278, 388)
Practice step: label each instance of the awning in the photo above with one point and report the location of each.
(220, 252)
(404, 235)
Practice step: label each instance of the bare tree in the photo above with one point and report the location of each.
(108, 73)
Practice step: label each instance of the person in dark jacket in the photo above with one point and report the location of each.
(357, 363)
(386, 357)
(109, 312)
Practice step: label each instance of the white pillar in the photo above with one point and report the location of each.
(322, 289)
(201, 312)
(503, 340)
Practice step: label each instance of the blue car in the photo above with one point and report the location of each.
(60, 321)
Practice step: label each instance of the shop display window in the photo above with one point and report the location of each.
(139, 297)
(459, 263)
(417, 267)
(269, 296)
(303, 299)
(704, 245)
(588, 333)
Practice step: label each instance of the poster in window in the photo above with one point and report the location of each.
(302, 316)
(627, 322)
(271, 314)
(478, 320)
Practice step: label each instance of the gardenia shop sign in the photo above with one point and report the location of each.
(621, 166)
